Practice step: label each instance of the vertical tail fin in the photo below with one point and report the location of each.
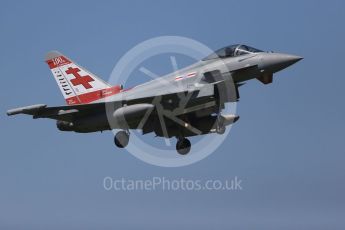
(77, 85)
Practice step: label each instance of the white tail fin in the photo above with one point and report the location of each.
(77, 85)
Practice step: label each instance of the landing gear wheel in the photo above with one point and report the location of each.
(121, 139)
(183, 146)
(220, 129)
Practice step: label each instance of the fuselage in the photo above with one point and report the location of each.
(191, 77)
(235, 67)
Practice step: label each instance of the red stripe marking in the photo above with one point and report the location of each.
(93, 96)
(191, 74)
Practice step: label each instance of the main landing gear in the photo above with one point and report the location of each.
(220, 127)
(121, 139)
(183, 146)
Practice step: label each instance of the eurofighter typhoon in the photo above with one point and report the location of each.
(182, 104)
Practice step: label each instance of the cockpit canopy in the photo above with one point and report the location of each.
(232, 51)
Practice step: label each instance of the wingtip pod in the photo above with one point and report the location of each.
(31, 109)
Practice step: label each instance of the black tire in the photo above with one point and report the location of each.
(221, 129)
(183, 146)
(121, 139)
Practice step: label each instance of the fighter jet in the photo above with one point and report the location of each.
(185, 103)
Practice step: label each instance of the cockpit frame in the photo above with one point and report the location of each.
(232, 51)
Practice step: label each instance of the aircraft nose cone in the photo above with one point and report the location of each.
(288, 59)
(278, 61)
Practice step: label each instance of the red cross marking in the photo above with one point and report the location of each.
(79, 80)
